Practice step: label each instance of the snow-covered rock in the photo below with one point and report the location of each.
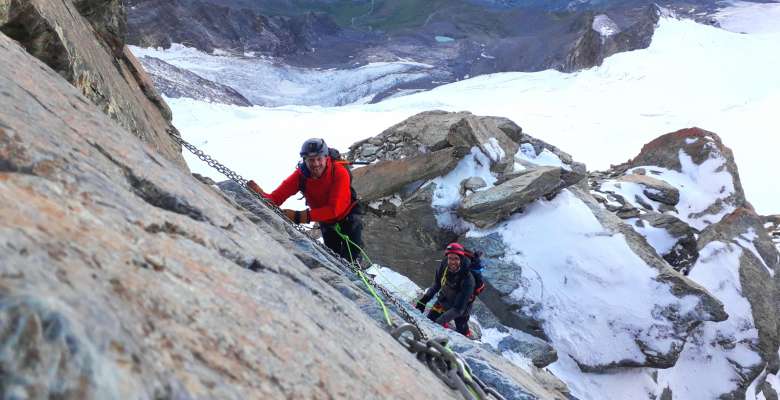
(486, 207)
(575, 260)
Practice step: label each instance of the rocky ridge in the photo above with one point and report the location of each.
(674, 204)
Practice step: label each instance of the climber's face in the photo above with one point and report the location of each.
(316, 165)
(453, 262)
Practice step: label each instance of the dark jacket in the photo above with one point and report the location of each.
(454, 289)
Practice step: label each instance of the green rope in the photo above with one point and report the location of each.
(350, 243)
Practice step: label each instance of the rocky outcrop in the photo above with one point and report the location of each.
(695, 148)
(403, 227)
(386, 177)
(602, 37)
(175, 82)
(485, 208)
(430, 131)
(99, 66)
(121, 276)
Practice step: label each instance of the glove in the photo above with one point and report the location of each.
(418, 304)
(299, 217)
(253, 186)
(447, 316)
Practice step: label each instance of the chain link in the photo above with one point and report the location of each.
(447, 365)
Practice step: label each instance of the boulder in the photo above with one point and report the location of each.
(431, 131)
(58, 35)
(485, 208)
(472, 131)
(699, 146)
(387, 177)
(421, 133)
(471, 184)
(654, 189)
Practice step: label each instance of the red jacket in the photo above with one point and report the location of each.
(329, 196)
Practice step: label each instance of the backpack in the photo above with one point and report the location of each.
(476, 268)
(336, 159)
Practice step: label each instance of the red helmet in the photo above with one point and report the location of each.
(455, 248)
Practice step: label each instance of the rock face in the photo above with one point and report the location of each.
(601, 37)
(175, 82)
(403, 223)
(61, 34)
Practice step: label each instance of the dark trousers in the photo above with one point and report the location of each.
(352, 226)
(461, 322)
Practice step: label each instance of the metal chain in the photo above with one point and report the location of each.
(446, 364)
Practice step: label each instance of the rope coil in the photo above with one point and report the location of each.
(444, 363)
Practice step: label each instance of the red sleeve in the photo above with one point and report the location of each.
(287, 188)
(339, 201)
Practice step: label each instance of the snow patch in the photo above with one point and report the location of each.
(747, 242)
(705, 369)
(748, 17)
(660, 239)
(447, 198)
(526, 152)
(605, 26)
(573, 269)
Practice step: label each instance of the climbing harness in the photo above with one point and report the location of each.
(435, 353)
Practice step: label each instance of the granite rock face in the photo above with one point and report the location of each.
(83, 41)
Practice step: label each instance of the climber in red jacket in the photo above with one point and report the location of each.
(326, 185)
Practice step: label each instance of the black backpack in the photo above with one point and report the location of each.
(335, 158)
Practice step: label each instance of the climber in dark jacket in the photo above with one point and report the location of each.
(454, 284)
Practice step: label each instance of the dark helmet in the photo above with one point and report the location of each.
(314, 147)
